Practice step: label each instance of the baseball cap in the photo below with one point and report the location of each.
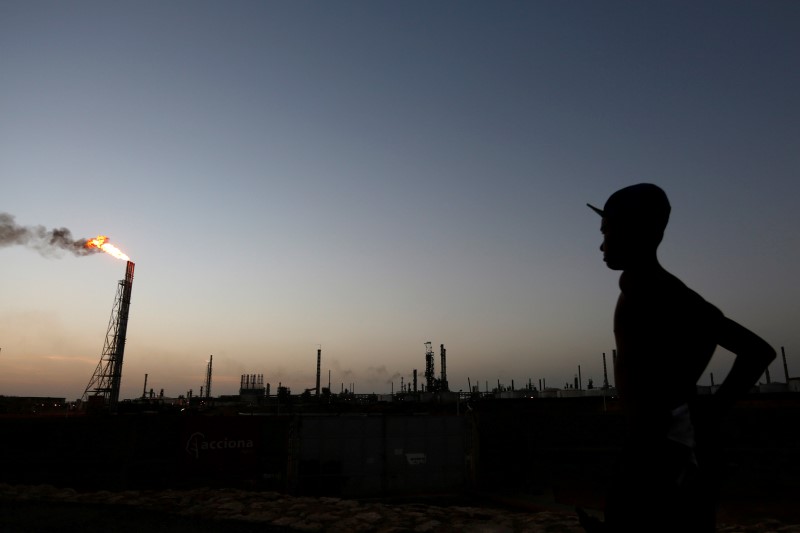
(642, 204)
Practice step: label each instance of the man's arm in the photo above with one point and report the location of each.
(753, 355)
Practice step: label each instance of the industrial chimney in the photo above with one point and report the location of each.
(208, 376)
(443, 385)
(785, 366)
(319, 362)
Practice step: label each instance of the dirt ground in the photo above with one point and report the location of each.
(39, 517)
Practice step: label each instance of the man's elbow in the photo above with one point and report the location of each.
(742, 341)
(768, 354)
(761, 353)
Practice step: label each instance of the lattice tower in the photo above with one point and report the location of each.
(105, 381)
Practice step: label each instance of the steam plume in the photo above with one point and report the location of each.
(48, 242)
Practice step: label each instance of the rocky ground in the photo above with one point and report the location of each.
(46, 508)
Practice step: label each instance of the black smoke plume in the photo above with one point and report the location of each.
(48, 242)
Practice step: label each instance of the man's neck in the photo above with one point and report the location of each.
(644, 264)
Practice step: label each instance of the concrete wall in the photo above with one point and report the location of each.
(381, 455)
(498, 445)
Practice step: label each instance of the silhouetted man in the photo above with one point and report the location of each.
(665, 335)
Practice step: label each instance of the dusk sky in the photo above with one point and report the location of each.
(371, 175)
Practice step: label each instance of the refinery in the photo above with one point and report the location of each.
(102, 393)
(424, 438)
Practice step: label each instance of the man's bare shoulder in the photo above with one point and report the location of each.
(664, 293)
(657, 282)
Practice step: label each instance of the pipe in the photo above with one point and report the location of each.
(785, 367)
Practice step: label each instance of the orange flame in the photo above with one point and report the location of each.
(101, 242)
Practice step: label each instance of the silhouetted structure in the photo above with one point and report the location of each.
(251, 388)
(429, 373)
(105, 381)
(785, 366)
(208, 376)
(443, 380)
(319, 363)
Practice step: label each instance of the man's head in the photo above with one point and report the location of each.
(634, 219)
